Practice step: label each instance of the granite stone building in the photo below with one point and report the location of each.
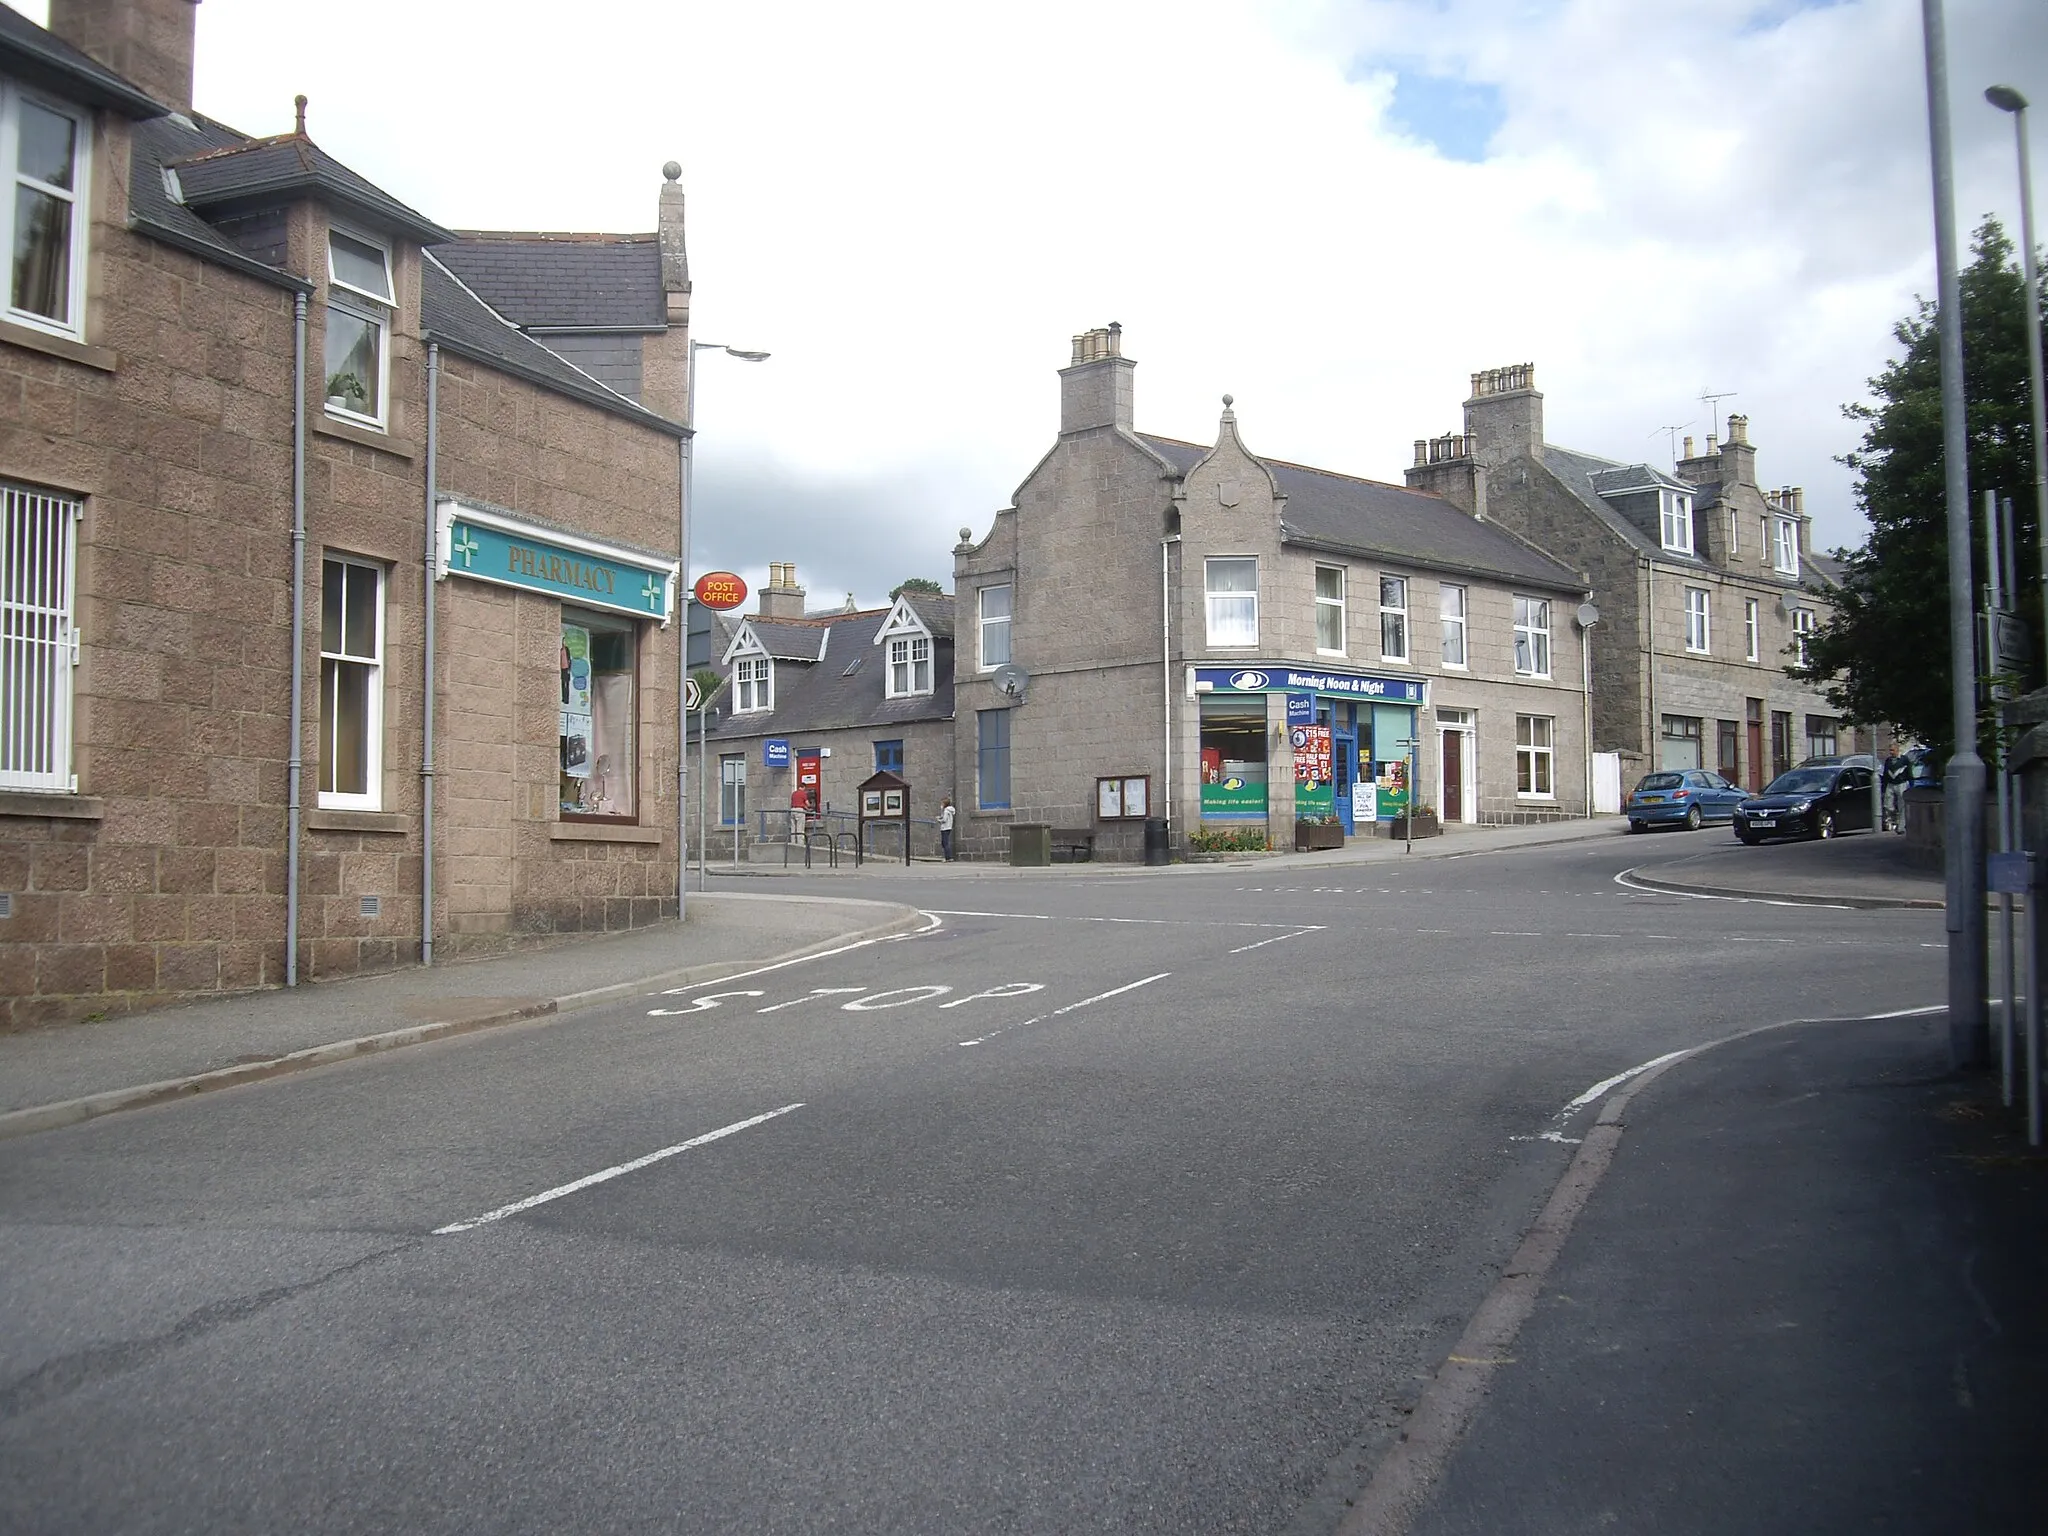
(335, 621)
(1705, 581)
(1160, 629)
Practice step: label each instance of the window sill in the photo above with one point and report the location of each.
(27, 336)
(319, 820)
(29, 802)
(600, 832)
(363, 437)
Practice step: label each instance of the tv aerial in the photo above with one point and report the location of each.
(1671, 432)
(1011, 680)
(1713, 403)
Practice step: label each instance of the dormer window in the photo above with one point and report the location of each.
(910, 666)
(360, 301)
(753, 685)
(1677, 521)
(1785, 546)
(42, 223)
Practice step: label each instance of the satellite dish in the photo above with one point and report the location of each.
(1011, 680)
(1588, 615)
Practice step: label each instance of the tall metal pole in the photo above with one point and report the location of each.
(1998, 592)
(1963, 787)
(2006, 99)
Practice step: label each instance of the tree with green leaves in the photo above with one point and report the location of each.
(1884, 655)
(918, 586)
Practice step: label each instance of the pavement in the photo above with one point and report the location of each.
(1793, 1282)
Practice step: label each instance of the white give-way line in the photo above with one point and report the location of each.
(609, 1173)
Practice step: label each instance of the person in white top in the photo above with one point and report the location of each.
(946, 828)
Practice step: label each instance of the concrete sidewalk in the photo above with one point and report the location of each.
(52, 1077)
(1806, 1296)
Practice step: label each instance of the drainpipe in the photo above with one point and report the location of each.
(1652, 739)
(682, 612)
(433, 550)
(295, 764)
(1166, 670)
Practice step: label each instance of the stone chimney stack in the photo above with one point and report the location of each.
(1738, 458)
(782, 598)
(1095, 388)
(148, 42)
(1504, 417)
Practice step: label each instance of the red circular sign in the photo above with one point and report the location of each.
(720, 590)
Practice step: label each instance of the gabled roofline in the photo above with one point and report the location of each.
(46, 61)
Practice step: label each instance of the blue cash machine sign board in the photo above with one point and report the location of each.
(485, 545)
(775, 753)
(1282, 678)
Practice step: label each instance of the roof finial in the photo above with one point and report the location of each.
(672, 170)
(300, 103)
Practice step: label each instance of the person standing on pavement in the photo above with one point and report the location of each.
(1897, 774)
(946, 828)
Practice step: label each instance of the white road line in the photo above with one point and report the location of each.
(1131, 986)
(1277, 938)
(1622, 879)
(610, 1173)
(1600, 1088)
(1908, 1013)
(823, 954)
(1150, 922)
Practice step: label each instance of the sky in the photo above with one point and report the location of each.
(1334, 212)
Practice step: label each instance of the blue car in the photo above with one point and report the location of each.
(1687, 797)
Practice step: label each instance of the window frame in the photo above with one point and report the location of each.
(747, 684)
(372, 796)
(1803, 626)
(918, 674)
(1398, 613)
(987, 752)
(12, 94)
(1752, 629)
(890, 762)
(1459, 623)
(1212, 595)
(732, 789)
(373, 309)
(987, 623)
(1785, 545)
(1699, 621)
(1328, 607)
(1674, 521)
(1536, 628)
(598, 622)
(45, 736)
(1535, 760)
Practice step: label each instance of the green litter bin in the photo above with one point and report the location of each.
(1030, 843)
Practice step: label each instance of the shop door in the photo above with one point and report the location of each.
(1343, 769)
(1454, 775)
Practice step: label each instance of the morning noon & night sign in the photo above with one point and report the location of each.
(1281, 678)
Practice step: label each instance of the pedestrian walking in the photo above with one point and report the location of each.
(946, 828)
(1898, 773)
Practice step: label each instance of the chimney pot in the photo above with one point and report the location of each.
(1688, 445)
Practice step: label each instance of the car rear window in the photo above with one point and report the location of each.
(1661, 781)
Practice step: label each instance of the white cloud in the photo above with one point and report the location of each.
(914, 204)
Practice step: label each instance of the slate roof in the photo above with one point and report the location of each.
(292, 165)
(39, 56)
(827, 696)
(153, 210)
(564, 282)
(793, 639)
(1577, 470)
(1344, 514)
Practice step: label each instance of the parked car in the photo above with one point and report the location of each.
(1808, 802)
(1683, 797)
(1837, 760)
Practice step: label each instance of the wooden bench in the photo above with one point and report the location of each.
(1079, 843)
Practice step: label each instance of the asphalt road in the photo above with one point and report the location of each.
(1110, 1202)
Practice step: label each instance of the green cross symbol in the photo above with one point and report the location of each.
(652, 591)
(467, 547)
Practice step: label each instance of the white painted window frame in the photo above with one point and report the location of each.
(1802, 629)
(1397, 611)
(753, 685)
(1212, 595)
(12, 95)
(1785, 545)
(1699, 621)
(372, 797)
(1536, 762)
(38, 618)
(1532, 623)
(1752, 624)
(1331, 609)
(1457, 625)
(373, 309)
(910, 666)
(1675, 521)
(987, 624)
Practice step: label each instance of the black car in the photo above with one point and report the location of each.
(1819, 801)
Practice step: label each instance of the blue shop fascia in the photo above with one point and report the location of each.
(1348, 734)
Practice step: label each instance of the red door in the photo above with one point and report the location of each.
(1454, 775)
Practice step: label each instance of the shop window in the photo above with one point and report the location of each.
(732, 790)
(889, 757)
(599, 678)
(992, 759)
(1697, 635)
(359, 305)
(910, 666)
(1821, 736)
(1233, 596)
(38, 549)
(1681, 743)
(753, 685)
(995, 626)
(1534, 748)
(1532, 637)
(1330, 610)
(1451, 602)
(1393, 618)
(1677, 521)
(1749, 629)
(1234, 759)
(42, 219)
(1802, 631)
(351, 684)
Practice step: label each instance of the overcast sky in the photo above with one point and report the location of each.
(1336, 212)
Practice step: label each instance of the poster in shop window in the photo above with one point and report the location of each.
(1311, 770)
(576, 752)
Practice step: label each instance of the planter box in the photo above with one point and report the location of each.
(1318, 838)
(1426, 825)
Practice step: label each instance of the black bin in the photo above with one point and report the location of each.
(1155, 841)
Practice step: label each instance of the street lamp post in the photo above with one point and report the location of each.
(683, 607)
(2006, 99)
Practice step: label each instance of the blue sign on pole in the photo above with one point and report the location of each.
(775, 753)
(1301, 709)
